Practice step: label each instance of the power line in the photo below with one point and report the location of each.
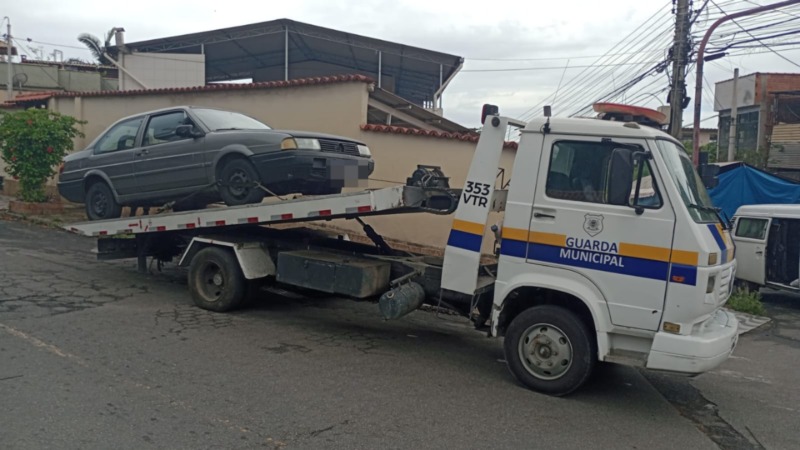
(554, 58)
(767, 46)
(521, 69)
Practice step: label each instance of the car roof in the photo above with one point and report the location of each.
(788, 211)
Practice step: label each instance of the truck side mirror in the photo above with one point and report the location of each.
(620, 180)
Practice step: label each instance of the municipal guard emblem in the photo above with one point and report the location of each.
(593, 224)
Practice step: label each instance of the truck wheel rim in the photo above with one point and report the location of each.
(212, 282)
(545, 351)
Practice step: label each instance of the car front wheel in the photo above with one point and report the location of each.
(100, 202)
(238, 183)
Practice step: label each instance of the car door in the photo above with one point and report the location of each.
(113, 155)
(166, 162)
(576, 226)
(750, 237)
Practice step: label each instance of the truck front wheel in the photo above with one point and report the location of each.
(216, 281)
(550, 350)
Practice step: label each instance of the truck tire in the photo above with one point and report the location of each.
(549, 349)
(238, 178)
(216, 281)
(100, 202)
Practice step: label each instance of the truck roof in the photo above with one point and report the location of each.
(788, 211)
(596, 127)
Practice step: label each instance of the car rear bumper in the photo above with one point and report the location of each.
(72, 190)
(299, 171)
(709, 345)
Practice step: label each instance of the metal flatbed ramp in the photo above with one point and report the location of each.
(393, 200)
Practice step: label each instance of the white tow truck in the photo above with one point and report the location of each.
(609, 250)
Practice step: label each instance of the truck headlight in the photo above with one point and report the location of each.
(363, 150)
(307, 143)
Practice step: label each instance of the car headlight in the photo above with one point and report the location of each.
(307, 143)
(363, 150)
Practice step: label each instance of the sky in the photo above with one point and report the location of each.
(552, 34)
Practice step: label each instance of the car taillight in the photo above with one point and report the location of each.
(61, 168)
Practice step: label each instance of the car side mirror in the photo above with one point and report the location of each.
(620, 176)
(188, 131)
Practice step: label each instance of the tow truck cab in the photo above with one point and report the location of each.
(608, 222)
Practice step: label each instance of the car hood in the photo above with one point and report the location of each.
(298, 134)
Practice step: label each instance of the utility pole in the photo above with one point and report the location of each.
(732, 138)
(679, 61)
(9, 69)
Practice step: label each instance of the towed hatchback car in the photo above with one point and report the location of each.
(194, 156)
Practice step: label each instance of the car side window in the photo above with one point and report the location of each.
(751, 228)
(161, 128)
(121, 136)
(580, 170)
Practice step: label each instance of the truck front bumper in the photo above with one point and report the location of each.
(709, 345)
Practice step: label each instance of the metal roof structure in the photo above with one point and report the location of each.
(284, 49)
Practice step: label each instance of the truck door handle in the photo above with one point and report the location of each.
(539, 215)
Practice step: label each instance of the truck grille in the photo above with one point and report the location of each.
(725, 283)
(348, 148)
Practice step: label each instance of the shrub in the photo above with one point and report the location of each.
(33, 142)
(746, 301)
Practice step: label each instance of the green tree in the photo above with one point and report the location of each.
(98, 49)
(32, 143)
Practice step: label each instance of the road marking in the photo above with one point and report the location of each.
(44, 345)
(170, 400)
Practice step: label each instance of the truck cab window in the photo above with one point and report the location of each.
(580, 171)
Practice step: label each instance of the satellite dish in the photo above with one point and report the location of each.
(19, 79)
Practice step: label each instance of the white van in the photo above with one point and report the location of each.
(767, 239)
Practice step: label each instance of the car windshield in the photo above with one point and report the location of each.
(689, 184)
(216, 120)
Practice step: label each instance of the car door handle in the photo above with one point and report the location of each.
(539, 215)
(759, 252)
(144, 151)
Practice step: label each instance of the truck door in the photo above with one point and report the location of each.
(750, 237)
(582, 222)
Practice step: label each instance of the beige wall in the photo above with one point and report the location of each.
(334, 108)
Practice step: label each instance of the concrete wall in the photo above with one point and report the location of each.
(51, 78)
(162, 70)
(745, 89)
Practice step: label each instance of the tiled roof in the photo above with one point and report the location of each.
(209, 87)
(466, 137)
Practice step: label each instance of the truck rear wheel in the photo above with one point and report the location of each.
(216, 281)
(550, 350)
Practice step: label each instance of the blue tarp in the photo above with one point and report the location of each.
(745, 185)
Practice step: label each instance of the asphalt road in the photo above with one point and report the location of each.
(95, 355)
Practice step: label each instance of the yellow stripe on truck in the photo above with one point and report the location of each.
(468, 227)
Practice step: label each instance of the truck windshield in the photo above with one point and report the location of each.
(688, 182)
(216, 120)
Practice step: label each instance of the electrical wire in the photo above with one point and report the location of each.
(767, 46)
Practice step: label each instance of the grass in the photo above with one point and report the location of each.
(746, 301)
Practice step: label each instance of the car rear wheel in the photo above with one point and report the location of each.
(100, 202)
(238, 183)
